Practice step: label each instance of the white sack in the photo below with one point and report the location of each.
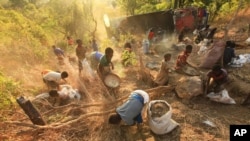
(221, 97)
(161, 125)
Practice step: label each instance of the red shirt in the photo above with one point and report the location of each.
(151, 35)
(181, 60)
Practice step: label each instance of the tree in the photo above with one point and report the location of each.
(131, 7)
(18, 3)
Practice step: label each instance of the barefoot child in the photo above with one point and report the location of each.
(162, 77)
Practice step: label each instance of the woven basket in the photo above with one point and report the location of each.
(112, 80)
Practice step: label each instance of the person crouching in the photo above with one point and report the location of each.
(130, 111)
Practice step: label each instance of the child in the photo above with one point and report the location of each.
(181, 61)
(105, 63)
(80, 53)
(128, 56)
(162, 77)
(53, 79)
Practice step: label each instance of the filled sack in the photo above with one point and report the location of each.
(213, 55)
(159, 117)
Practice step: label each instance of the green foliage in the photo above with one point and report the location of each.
(146, 9)
(18, 3)
(132, 7)
(163, 6)
(8, 90)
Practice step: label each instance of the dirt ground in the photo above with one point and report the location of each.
(190, 114)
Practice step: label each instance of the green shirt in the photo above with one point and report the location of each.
(104, 62)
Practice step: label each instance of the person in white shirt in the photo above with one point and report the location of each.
(53, 79)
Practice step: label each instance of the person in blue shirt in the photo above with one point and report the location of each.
(58, 51)
(130, 111)
(94, 59)
(59, 54)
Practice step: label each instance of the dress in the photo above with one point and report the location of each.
(162, 77)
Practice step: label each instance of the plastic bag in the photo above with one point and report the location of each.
(221, 97)
(161, 125)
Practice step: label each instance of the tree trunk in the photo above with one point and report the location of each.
(31, 111)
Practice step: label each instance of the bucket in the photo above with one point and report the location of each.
(112, 80)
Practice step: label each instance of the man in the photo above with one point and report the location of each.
(94, 58)
(228, 52)
(70, 41)
(181, 36)
(130, 111)
(64, 95)
(80, 53)
(105, 63)
(94, 45)
(151, 36)
(219, 77)
(181, 61)
(59, 53)
(53, 79)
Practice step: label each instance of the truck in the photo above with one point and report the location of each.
(169, 21)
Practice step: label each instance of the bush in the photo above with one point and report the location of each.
(8, 90)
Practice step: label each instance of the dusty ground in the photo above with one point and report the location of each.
(190, 114)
